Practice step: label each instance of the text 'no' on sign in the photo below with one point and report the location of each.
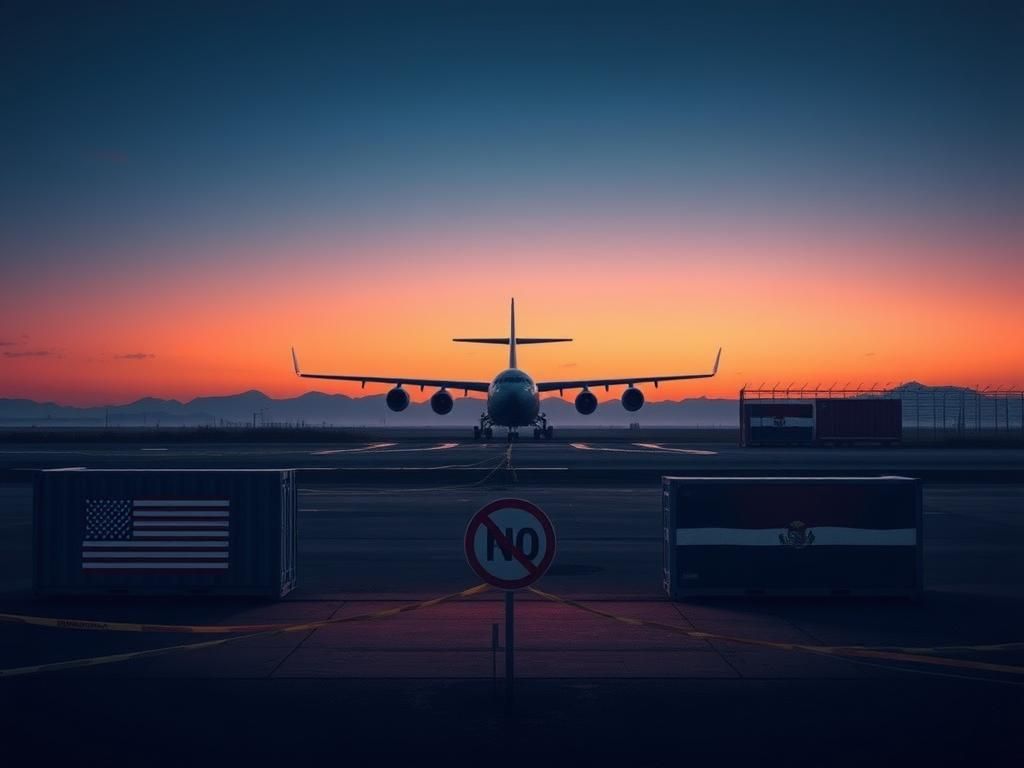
(510, 543)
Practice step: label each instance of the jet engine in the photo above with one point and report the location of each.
(632, 399)
(586, 402)
(398, 399)
(441, 402)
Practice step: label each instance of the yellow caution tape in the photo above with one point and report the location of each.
(267, 629)
(122, 626)
(842, 651)
(942, 648)
(915, 655)
(99, 660)
(211, 629)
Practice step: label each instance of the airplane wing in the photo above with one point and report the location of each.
(549, 386)
(465, 386)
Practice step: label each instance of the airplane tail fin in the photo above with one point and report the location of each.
(512, 340)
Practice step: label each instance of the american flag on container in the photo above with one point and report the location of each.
(156, 535)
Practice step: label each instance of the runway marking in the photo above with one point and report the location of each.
(438, 447)
(364, 448)
(644, 448)
(46, 451)
(378, 448)
(691, 451)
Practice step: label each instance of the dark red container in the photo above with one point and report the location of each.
(875, 420)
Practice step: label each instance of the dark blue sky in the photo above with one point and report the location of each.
(174, 122)
(830, 190)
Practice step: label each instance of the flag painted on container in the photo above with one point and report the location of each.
(156, 535)
(795, 535)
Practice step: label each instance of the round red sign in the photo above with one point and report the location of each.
(510, 543)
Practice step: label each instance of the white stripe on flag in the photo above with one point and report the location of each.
(155, 566)
(179, 524)
(181, 503)
(823, 536)
(180, 513)
(146, 555)
(176, 534)
(130, 544)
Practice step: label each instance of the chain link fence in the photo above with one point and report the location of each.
(930, 414)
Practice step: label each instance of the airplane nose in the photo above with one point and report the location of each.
(521, 396)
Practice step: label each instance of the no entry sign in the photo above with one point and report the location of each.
(510, 543)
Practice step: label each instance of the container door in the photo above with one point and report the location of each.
(668, 538)
(289, 502)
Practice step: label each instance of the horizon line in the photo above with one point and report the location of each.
(790, 391)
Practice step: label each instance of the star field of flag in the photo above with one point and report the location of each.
(108, 519)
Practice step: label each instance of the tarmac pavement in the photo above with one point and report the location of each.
(420, 685)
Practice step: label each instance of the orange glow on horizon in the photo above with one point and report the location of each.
(785, 309)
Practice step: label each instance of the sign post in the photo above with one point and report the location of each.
(510, 645)
(510, 543)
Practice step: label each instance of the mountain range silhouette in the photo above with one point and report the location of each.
(321, 408)
(317, 408)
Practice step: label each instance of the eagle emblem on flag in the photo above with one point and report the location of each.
(797, 535)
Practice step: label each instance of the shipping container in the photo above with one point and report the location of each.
(149, 532)
(775, 423)
(791, 536)
(875, 420)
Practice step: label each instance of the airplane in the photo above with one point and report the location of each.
(513, 398)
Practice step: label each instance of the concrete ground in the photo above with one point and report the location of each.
(419, 685)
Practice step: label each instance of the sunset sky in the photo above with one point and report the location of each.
(830, 195)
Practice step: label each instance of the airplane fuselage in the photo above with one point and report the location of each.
(512, 399)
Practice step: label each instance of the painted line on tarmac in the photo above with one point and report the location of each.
(46, 452)
(644, 448)
(371, 447)
(376, 451)
(48, 469)
(438, 447)
(691, 451)
(378, 448)
(457, 467)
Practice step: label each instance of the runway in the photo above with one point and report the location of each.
(445, 459)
